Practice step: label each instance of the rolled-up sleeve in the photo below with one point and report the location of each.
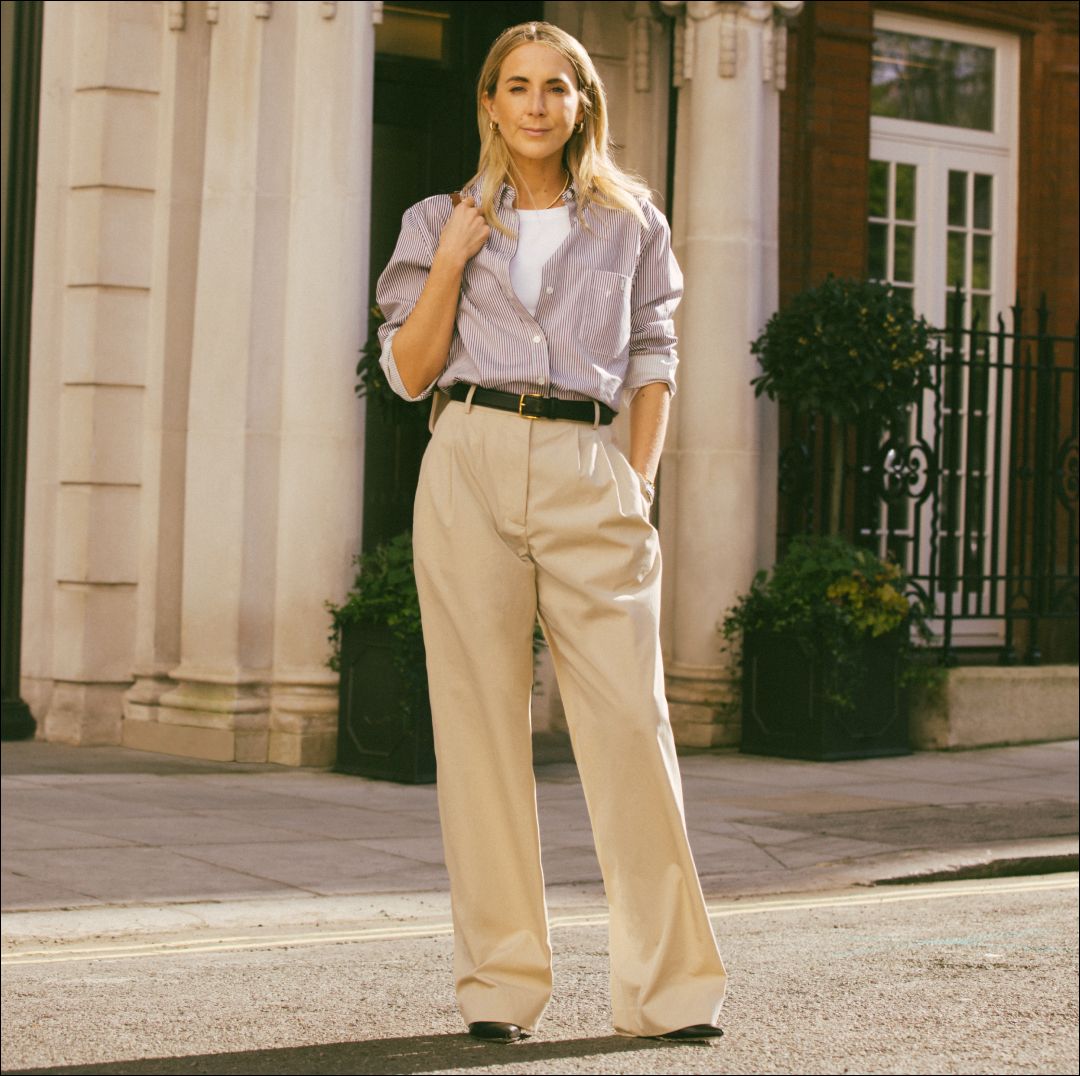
(398, 289)
(655, 293)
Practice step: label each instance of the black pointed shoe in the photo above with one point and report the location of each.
(693, 1033)
(496, 1031)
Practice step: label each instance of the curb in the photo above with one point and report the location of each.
(144, 921)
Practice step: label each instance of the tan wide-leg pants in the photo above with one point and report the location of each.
(514, 516)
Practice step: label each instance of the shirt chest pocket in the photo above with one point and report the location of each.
(604, 318)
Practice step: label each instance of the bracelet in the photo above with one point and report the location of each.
(650, 489)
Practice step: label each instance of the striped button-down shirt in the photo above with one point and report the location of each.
(603, 323)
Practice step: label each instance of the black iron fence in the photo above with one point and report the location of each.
(974, 491)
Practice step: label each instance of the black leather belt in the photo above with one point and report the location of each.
(532, 404)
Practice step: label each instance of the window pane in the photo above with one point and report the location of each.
(982, 201)
(980, 311)
(879, 188)
(958, 199)
(952, 307)
(877, 248)
(905, 192)
(980, 261)
(957, 263)
(978, 391)
(932, 80)
(904, 254)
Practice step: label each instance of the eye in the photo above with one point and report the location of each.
(559, 89)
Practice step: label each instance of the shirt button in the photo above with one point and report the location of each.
(549, 289)
(537, 339)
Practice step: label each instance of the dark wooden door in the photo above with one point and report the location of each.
(425, 141)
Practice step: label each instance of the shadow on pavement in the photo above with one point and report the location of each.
(420, 1053)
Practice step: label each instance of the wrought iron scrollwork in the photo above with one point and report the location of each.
(975, 491)
(907, 470)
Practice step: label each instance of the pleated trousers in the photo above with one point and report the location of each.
(515, 517)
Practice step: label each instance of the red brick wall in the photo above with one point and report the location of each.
(1049, 232)
(825, 145)
(825, 142)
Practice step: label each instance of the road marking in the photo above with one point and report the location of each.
(236, 943)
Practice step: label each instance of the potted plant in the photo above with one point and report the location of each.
(377, 648)
(826, 640)
(851, 351)
(827, 653)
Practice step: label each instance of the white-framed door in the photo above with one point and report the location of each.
(943, 212)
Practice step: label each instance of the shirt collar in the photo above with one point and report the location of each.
(505, 194)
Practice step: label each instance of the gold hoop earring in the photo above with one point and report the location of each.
(579, 127)
(492, 125)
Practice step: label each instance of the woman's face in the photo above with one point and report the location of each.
(536, 102)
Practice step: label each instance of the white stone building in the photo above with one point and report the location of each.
(194, 470)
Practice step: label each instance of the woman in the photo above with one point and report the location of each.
(535, 301)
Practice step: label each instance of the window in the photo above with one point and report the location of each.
(932, 80)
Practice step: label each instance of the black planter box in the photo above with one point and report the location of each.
(786, 714)
(381, 732)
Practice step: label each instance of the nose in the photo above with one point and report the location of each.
(536, 103)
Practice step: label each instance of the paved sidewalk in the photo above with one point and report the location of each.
(106, 840)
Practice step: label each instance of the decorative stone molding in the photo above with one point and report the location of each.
(262, 9)
(771, 15)
(177, 14)
(640, 14)
(328, 9)
(377, 12)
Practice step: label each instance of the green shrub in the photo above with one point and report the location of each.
(830, 595)
(847, 349)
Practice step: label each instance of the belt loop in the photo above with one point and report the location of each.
(468, 398)
(596, 415)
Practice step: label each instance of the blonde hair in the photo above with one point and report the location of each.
(587, 153)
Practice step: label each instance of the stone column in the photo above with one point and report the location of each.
(271, 515)
(321, 439)
(220, 706)
(179, 180)
(93, 251)
(718, 492)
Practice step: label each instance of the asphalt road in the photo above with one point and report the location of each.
(947, 977)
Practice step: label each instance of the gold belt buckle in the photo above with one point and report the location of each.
(521, 403)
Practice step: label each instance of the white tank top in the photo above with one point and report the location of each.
(540, 233)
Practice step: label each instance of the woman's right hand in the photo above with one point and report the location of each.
(463, 235)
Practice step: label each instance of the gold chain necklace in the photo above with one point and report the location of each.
(557, 196)
(561, 193)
